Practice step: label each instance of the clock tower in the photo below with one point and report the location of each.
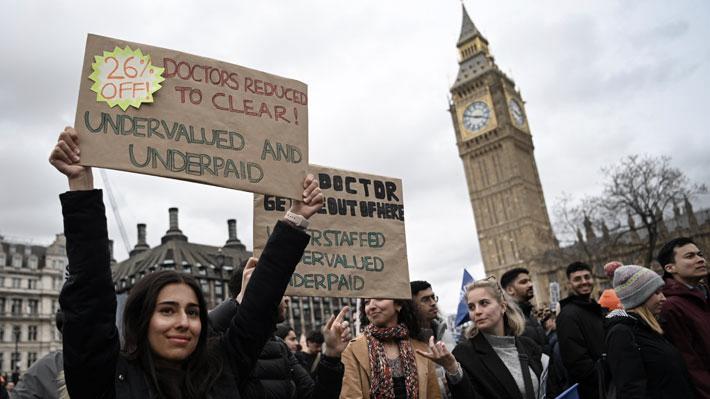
(496, 147)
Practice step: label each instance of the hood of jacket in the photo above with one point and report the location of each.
(676, 288)
(589, 305)
(619, 316)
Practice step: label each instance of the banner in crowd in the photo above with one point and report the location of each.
(161, 112)
(462, 309)
(358, 246)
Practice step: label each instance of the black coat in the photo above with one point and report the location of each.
(278, 374)
(92, 364)
(533, 328)
(643, 364)
(580, 330)
(485, 374)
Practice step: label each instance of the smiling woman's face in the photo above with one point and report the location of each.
(175, 325)
(382, 312)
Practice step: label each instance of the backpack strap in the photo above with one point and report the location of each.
(315, 364)
(527, 378)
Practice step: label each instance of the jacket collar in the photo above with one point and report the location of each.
(492, 363)
(676, 288)
(525, 307)
(588, 305)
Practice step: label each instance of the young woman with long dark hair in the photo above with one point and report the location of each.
(167, 352)
(383, 362)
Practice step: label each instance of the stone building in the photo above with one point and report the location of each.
(496, 147)
(211, 265)
(31, 277)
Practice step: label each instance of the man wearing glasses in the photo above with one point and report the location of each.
(427, 309)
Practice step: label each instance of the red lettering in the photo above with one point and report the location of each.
(170, 67)
(248, 108)
(258, 86)
(214, 102)
(247, 84)
(103, 91)
(279, 112)
(264, 109)
(182, 90)
(186, 69)
(115, 68)
(233, 81)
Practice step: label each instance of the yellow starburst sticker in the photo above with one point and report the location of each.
(125, 77)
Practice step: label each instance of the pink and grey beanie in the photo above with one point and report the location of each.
(635, 284)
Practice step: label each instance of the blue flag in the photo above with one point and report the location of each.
(462, 312)
(571, 393)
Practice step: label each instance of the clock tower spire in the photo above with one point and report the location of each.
(470, 40)
(496, 148)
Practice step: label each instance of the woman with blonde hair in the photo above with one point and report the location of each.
(495, 361)
(642, 363)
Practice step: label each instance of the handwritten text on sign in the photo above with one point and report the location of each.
(357, 247)
(207, 121)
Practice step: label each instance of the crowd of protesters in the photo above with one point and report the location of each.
(647, 337)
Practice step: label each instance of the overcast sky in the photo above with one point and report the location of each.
(601, 80)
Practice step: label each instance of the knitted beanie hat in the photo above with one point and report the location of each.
(635, 284)
(611, 267)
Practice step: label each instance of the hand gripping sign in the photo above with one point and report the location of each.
(358, 246)
(161, 112)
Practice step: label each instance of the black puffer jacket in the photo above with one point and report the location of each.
(93, 366)
(278, 374)
(580, 329)
(643, 363)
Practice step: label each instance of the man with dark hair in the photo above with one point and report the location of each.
(685, 316)
(517, 283)
(580, 330)
(432, 325)
(310, 356)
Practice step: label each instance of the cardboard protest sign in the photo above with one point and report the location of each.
(161, 112)
(358, 246)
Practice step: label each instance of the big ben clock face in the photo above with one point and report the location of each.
(476, 116)
(517, 112)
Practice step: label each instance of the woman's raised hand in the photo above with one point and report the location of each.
(439, 354)
(312, 200)
(336, 333)
(65, 157)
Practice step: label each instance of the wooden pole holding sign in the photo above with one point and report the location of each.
(358, 246)
(161, 112)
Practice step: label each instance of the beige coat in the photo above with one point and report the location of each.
(356, 381)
